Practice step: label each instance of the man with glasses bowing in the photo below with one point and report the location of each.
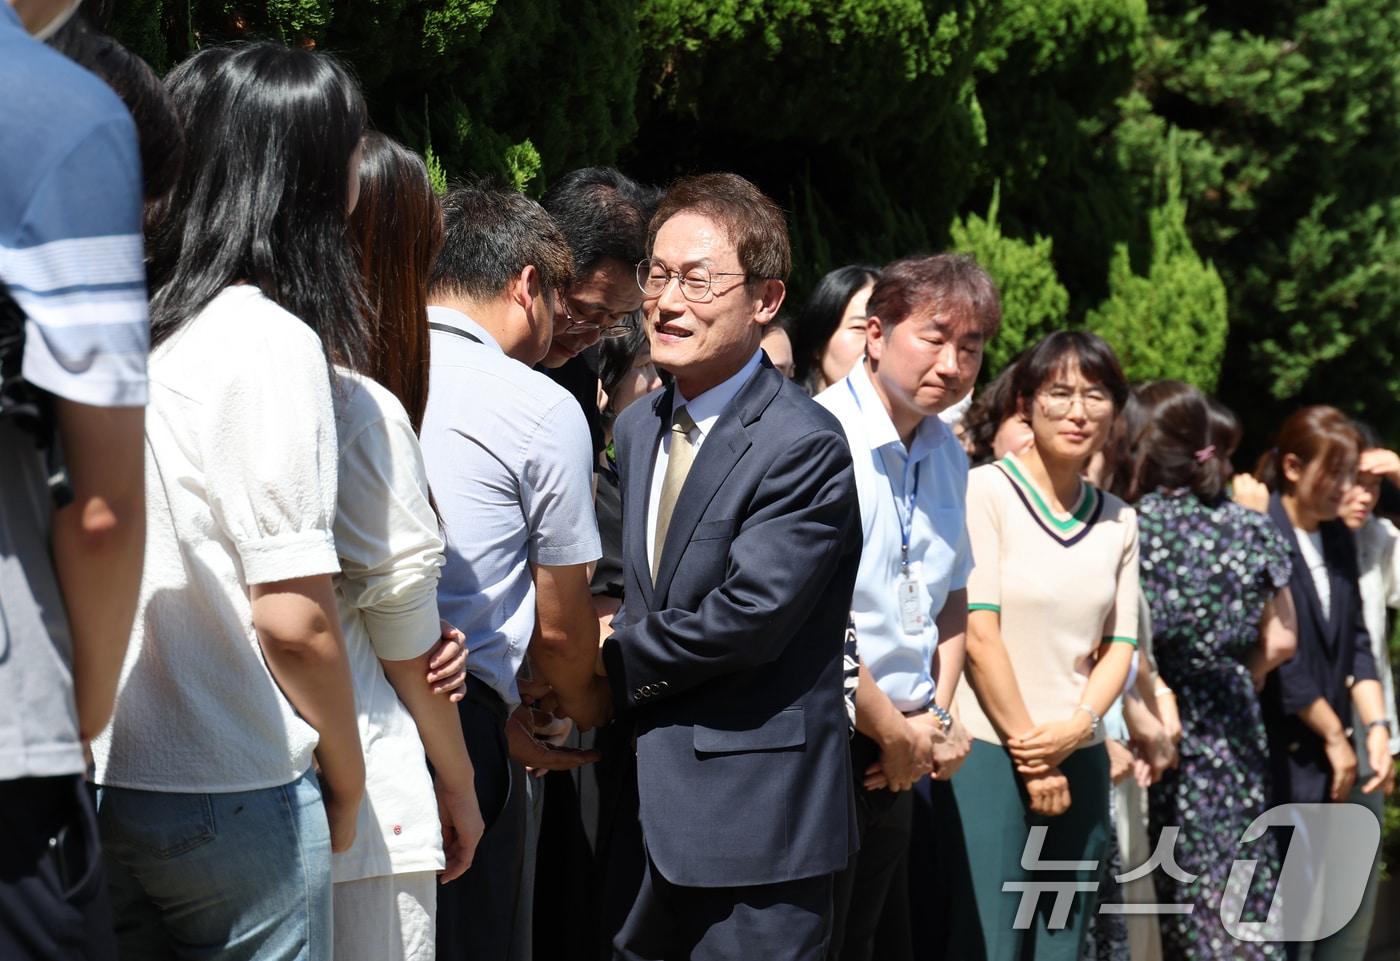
(741, 539)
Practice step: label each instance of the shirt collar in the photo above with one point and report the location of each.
(10, 17)
(460, 321)
(706, 408)
(879, 429)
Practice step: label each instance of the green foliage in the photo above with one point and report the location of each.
(437, 175)
(1170, 321)
(1294, 114)
(1033, 301)
(887, 126)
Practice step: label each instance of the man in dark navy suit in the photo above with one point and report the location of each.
(742, 538)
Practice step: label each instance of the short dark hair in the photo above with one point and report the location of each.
(159, 133)
(603, 214)
(821, 315)
(756, 226)
(1096, 360)
(781, 321)
(938, 281)
(616, 355)
(491, 235)
(990, 408)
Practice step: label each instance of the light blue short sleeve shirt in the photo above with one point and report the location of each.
(940, 557)
(510, 465)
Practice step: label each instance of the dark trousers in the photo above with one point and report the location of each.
(53, 890)
(789, 921)
(932, 848)
(577, 866)
(476, 913)
(876, 873)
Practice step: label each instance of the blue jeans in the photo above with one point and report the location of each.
(244, 876)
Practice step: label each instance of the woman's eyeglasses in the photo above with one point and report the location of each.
(1057, 403)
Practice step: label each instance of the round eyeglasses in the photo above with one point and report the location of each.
(1057, 403)
(696, 283)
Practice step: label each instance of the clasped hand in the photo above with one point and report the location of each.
(1046, 746)
(919, 747)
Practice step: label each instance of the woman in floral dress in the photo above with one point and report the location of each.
(1215, 576)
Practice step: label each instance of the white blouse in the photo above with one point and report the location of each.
(240, 490)
(391, 556)
(1376, 546)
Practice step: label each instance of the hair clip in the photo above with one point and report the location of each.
(1205, 453)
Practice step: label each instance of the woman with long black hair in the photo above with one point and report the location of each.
(830, 332)
(217, 829)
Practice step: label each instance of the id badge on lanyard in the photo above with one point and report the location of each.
(911, 611)
(908, 590)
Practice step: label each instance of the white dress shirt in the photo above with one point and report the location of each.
(705, 410)
(940, 558)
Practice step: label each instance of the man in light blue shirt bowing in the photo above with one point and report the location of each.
(929, 319)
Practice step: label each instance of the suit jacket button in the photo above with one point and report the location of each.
(1351, 679)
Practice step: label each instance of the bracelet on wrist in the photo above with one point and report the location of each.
(1381, 722)
(1096, 722)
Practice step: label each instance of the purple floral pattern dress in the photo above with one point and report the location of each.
(1208, 570)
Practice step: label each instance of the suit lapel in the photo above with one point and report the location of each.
(721, 451)
(1308, 597)
(641, 460)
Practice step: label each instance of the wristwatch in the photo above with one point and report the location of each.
(944, 718)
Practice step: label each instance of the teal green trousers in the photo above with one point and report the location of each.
(987, 845)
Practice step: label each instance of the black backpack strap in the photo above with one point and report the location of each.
(30, 408)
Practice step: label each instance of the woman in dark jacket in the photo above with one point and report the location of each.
(1306, 699)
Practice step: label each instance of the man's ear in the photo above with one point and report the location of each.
(524, 287)
(770, 298)
(875, 337)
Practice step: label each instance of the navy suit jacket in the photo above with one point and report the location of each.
(731, 662)
(1333, 651)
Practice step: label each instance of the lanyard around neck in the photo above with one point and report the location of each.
(453, 330)
(905, 517)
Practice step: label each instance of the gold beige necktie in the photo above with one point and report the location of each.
(678, 462)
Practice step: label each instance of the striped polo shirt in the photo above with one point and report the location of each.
(70, 255)
(70, 224)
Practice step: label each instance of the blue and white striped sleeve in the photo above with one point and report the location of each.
(75, 267)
